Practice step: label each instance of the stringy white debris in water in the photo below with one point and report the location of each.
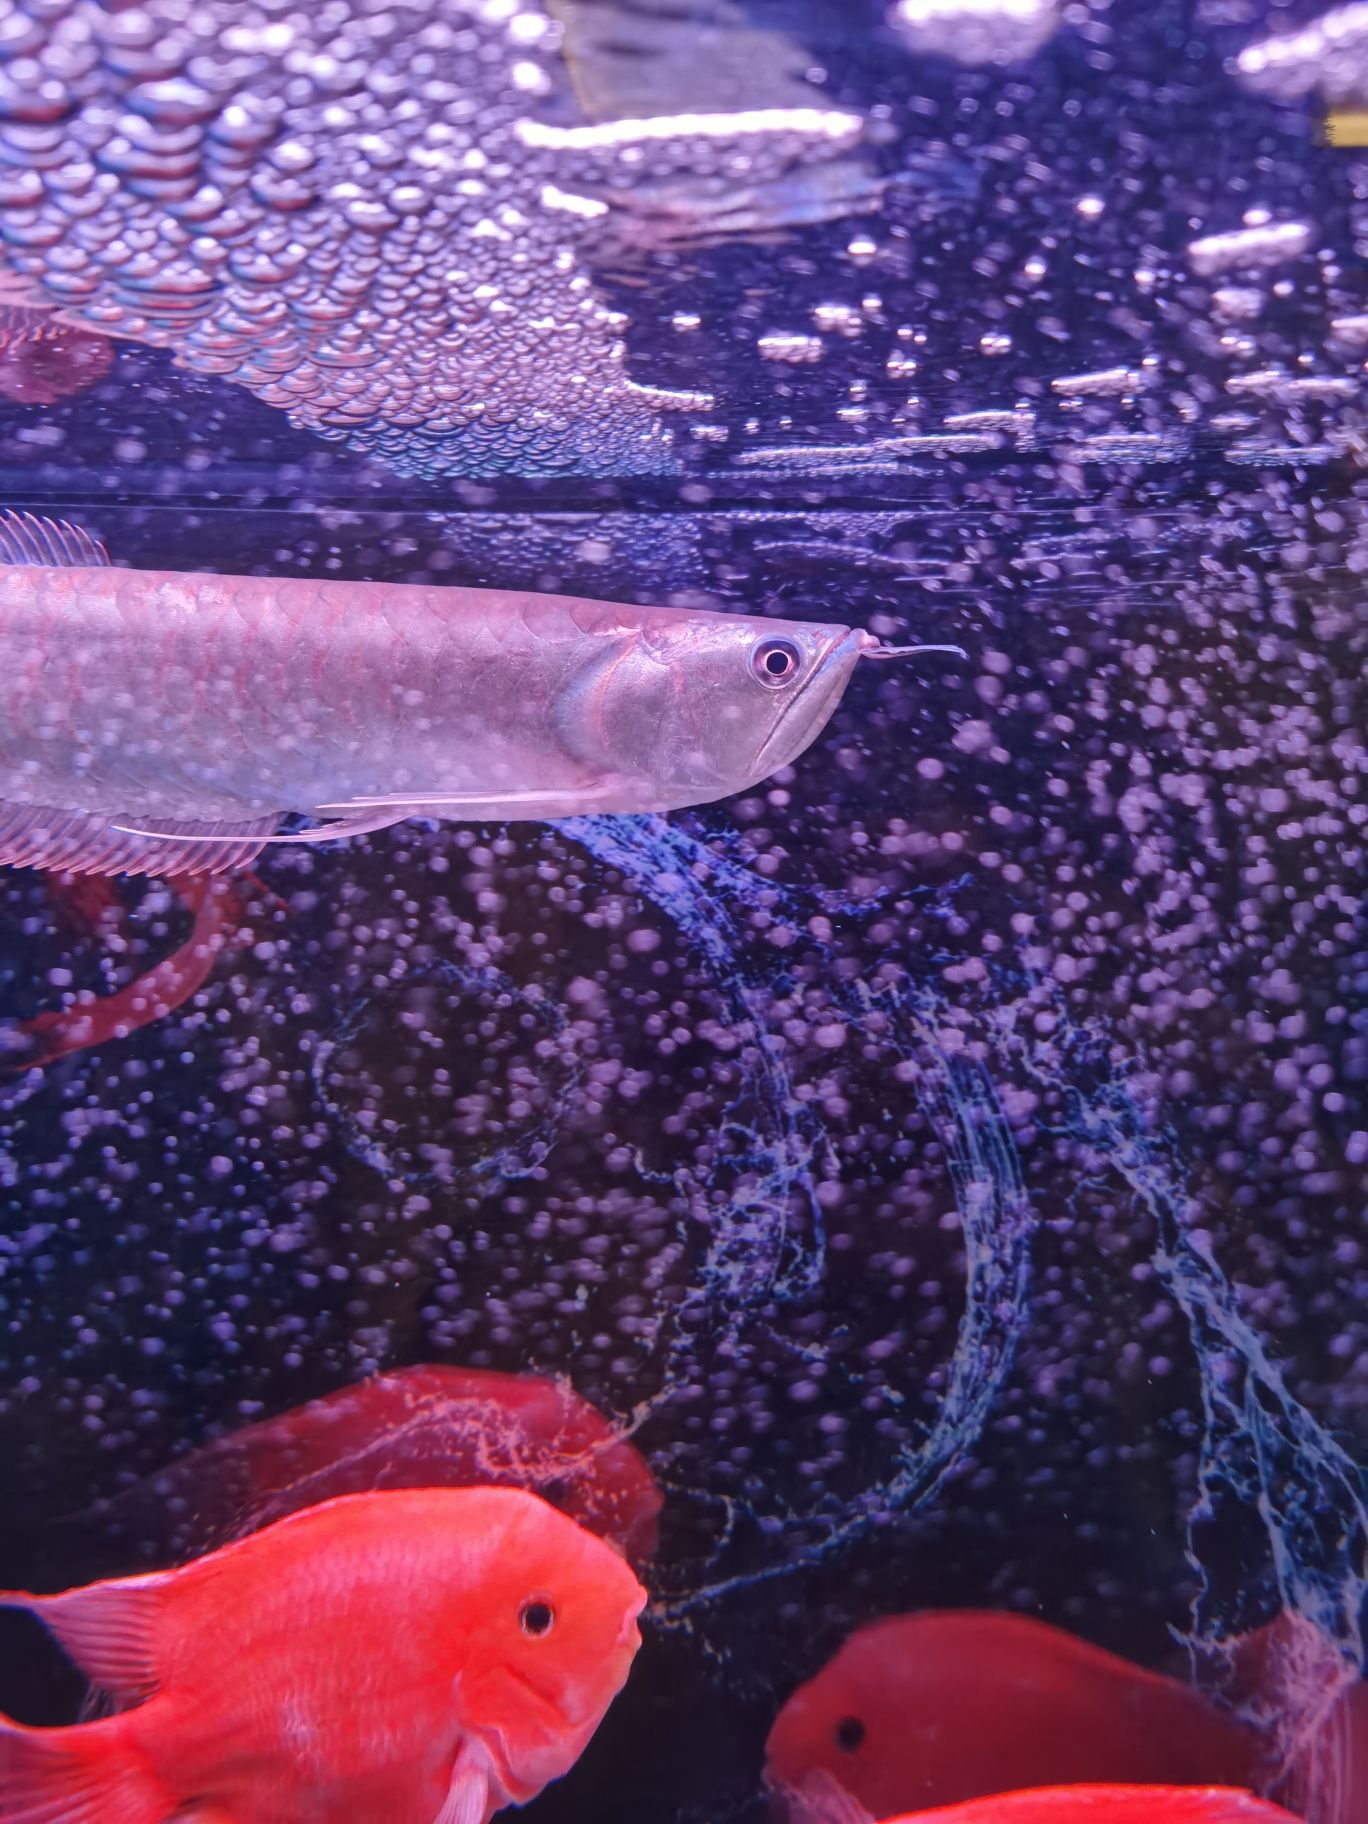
(1238, 303)
(1106, 380)
(977, 31)
(1286, 389)
(794, 349)
(816, 123)
(1260, 244)
(1330, 54)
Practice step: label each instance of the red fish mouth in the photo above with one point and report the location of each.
(556, 1730)
(564, 1731)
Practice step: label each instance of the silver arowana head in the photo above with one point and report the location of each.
(699, 706)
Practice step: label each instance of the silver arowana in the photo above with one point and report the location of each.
(159, 722)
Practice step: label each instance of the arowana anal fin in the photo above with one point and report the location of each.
(85, 842)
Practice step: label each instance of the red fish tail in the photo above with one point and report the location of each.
(85, 1774)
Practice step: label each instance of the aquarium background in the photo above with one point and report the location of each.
(948, 1159)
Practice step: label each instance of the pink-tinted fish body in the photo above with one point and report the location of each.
(418, 1657)
(426, 1426)
(160, 722)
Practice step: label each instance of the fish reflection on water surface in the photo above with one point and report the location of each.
(417, 1657)
(164, 722)
(384, 221)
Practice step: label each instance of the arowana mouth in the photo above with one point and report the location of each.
(821, 673)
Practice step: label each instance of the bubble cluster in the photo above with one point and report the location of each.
(380, 222)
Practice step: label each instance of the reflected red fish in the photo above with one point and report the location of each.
(42, 360)
(427, 1426)
(429, 1655)
(218, 907)
(936, 1708)
(1108, 1805)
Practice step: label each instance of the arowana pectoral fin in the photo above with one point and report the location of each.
(359, 825)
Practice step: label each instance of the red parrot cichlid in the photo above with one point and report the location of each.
(418, 1657)
(936, 1708)
(423, 1427)
(1106, 1805)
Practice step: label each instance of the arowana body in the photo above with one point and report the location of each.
(159, 722)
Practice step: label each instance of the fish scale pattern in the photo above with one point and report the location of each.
(380, 221)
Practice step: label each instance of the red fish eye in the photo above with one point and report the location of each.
(850, 1732)
(775, 662)
(536, 1618)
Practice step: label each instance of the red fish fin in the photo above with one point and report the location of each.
(80, 842)
(106, 1628)
(26, 539)
(217, 907)
(468, 1796)
(80, 1775)
(820, 1798)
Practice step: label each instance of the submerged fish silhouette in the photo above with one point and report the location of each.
(420, 1656)
(948, 1705)
(160, 722)
(423, 1427)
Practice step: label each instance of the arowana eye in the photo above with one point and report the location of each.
(536, 1618)
(775, 662)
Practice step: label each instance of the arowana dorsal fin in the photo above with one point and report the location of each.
(27, 539)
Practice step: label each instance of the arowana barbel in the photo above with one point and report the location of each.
(165, 722)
